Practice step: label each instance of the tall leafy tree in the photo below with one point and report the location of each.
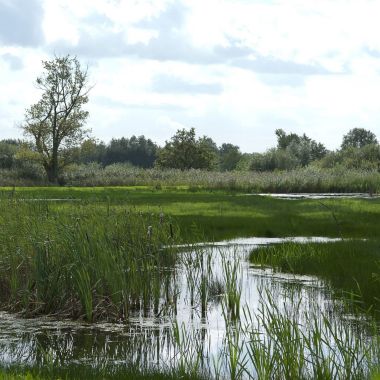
(91, 150)
(302, 147)
(56, 121)
(185, 151)
(229, 156)
(357, 138)
(138, 151)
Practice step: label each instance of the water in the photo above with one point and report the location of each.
(296, 196)
(148, 340)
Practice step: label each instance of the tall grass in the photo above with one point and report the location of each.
(352, 267)
(284, 341)
(76, 372)
(309, 179)
(301, 180)
(288, 342)
(89, 262)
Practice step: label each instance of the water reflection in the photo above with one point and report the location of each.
(187, 321)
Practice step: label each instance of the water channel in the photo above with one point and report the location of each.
(197, 316)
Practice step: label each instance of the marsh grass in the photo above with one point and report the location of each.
(283, 341)
(302, 180)
(76, 372)
(198, 216)
(232, 285)
(91, 263)
(351, 267)
(105, 261)
(276, 341)
(287, 342)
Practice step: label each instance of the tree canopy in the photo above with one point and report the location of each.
(138, 151)
(229, 156)
(357, 138)
(185, 151)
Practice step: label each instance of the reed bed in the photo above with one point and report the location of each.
(100, 262)
(301, 180)
(284, 341)
(86, 261)
(351, 268)
(304, 180)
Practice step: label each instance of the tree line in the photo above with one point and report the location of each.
(359, 150)
(56, 139)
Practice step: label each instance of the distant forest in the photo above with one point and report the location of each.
(359, 150)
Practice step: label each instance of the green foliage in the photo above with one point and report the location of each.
(364, 158)
(84, 261)
(89, 151)
(358, 138)
(229, 156)
(351, 267)
(8, 150)
(273, 159)
(293, 151)
(138, 151)
(184, 151)
(303, 147)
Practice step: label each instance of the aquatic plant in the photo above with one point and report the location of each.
(351, 267)
(89, 262)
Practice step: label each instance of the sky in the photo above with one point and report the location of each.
(235, 70)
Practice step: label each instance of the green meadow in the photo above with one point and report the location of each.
(220, 215)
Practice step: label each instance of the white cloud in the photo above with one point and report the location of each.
(234, 69)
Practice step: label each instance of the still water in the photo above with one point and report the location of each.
(191, 318)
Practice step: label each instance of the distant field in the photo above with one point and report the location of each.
(221, 214)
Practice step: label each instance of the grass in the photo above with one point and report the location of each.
(221, 215)
(88, 262)
(310, 179)
(101, 255)
(301, 180)
(352, 268)
(277, 341)
(75, 372)
(287, 341)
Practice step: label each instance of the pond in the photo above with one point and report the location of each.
(214, 306)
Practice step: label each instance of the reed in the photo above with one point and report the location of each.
(88, 263)
(309, 179)
(232, 281)
(351, 267)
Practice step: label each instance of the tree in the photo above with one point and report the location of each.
(8, 150)
(284, 140)
(90, 150)
(302, 147)
(56, 121)
(274, 159)
(184, 151)
(138, 151)
(357, 138)
(229, 156)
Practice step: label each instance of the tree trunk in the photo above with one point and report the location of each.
(51, 169)
(53, 172)
(51, 175)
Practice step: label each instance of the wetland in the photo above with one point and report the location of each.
(153, 283)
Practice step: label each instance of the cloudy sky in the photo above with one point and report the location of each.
(236, 70)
